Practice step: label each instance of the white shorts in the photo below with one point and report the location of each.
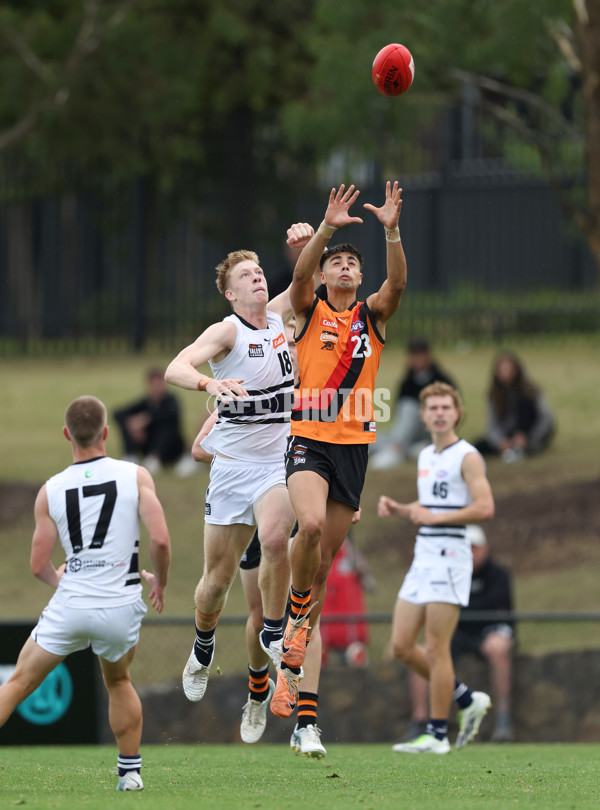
(435, 578)
(111, 631)
(235, 486)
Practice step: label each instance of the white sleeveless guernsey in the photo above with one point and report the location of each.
(256, 427)
(94, 505)
(442, 488)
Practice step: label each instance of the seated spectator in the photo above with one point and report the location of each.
(151, 429)
(407, 435)
(519, 420)
(490, 640)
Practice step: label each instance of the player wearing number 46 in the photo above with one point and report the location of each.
(253, 383)
(453, 492)
(93, 507)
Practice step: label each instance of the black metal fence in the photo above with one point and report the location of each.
(165, 643)
(108, 266)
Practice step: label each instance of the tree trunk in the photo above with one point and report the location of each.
(587, 31)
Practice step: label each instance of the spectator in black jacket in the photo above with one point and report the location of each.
(489, 639)
(407, 435)
(151, 428)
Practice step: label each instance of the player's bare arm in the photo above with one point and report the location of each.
(387, 299)
(198, 452)
(213, 344)
(152, 516)
(44, 538)
(337, 215)
(481, 509)
(298, 236)
(388, 507)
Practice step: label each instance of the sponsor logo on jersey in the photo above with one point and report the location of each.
(299, 450)
(279, 340)
(75, 565)
(423, 473)
(299, 460)
(357, 326)
(370, 427)
(328, 323)
(329, 346)
(328, 337)
(207, 509)
(88, 473)
(255, 350)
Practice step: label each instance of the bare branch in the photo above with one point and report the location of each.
(565, 39)
(29, 58)
(87, 40)
(579, 216)
(517, 93)
(581, 11)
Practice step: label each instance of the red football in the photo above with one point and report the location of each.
(393, 70)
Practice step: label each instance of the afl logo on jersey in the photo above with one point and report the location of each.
(441, 474)
(255, 350)
(357, 326)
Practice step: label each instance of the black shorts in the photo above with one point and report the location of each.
(469, 642)
(251, 557)
(343, 466)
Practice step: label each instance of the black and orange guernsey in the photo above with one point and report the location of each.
(338, 358)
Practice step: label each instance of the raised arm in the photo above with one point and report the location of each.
(45, 536)
(152, 516)
(337, 215)
(298, 236)
(386, 300)
(213, 344)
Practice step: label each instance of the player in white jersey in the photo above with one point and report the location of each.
(306, 735)
(93, 508)
(453, 491)
(253, 384)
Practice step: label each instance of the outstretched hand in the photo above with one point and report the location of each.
(157, 592)
(338, 214)
(389, 212)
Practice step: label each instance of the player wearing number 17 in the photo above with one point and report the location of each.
(93, 507)
(339, 342)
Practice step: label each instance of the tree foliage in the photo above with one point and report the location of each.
(246, 94)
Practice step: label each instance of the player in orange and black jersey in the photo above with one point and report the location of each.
(339, 341)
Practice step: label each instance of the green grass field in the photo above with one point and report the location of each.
(372, 777)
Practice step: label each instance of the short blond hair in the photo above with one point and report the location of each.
(229, 262)
(442, 389)
(85, 419)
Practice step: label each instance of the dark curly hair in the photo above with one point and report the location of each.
(344, 247)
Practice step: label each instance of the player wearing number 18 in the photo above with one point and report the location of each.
(253, 382)
(93, 507)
